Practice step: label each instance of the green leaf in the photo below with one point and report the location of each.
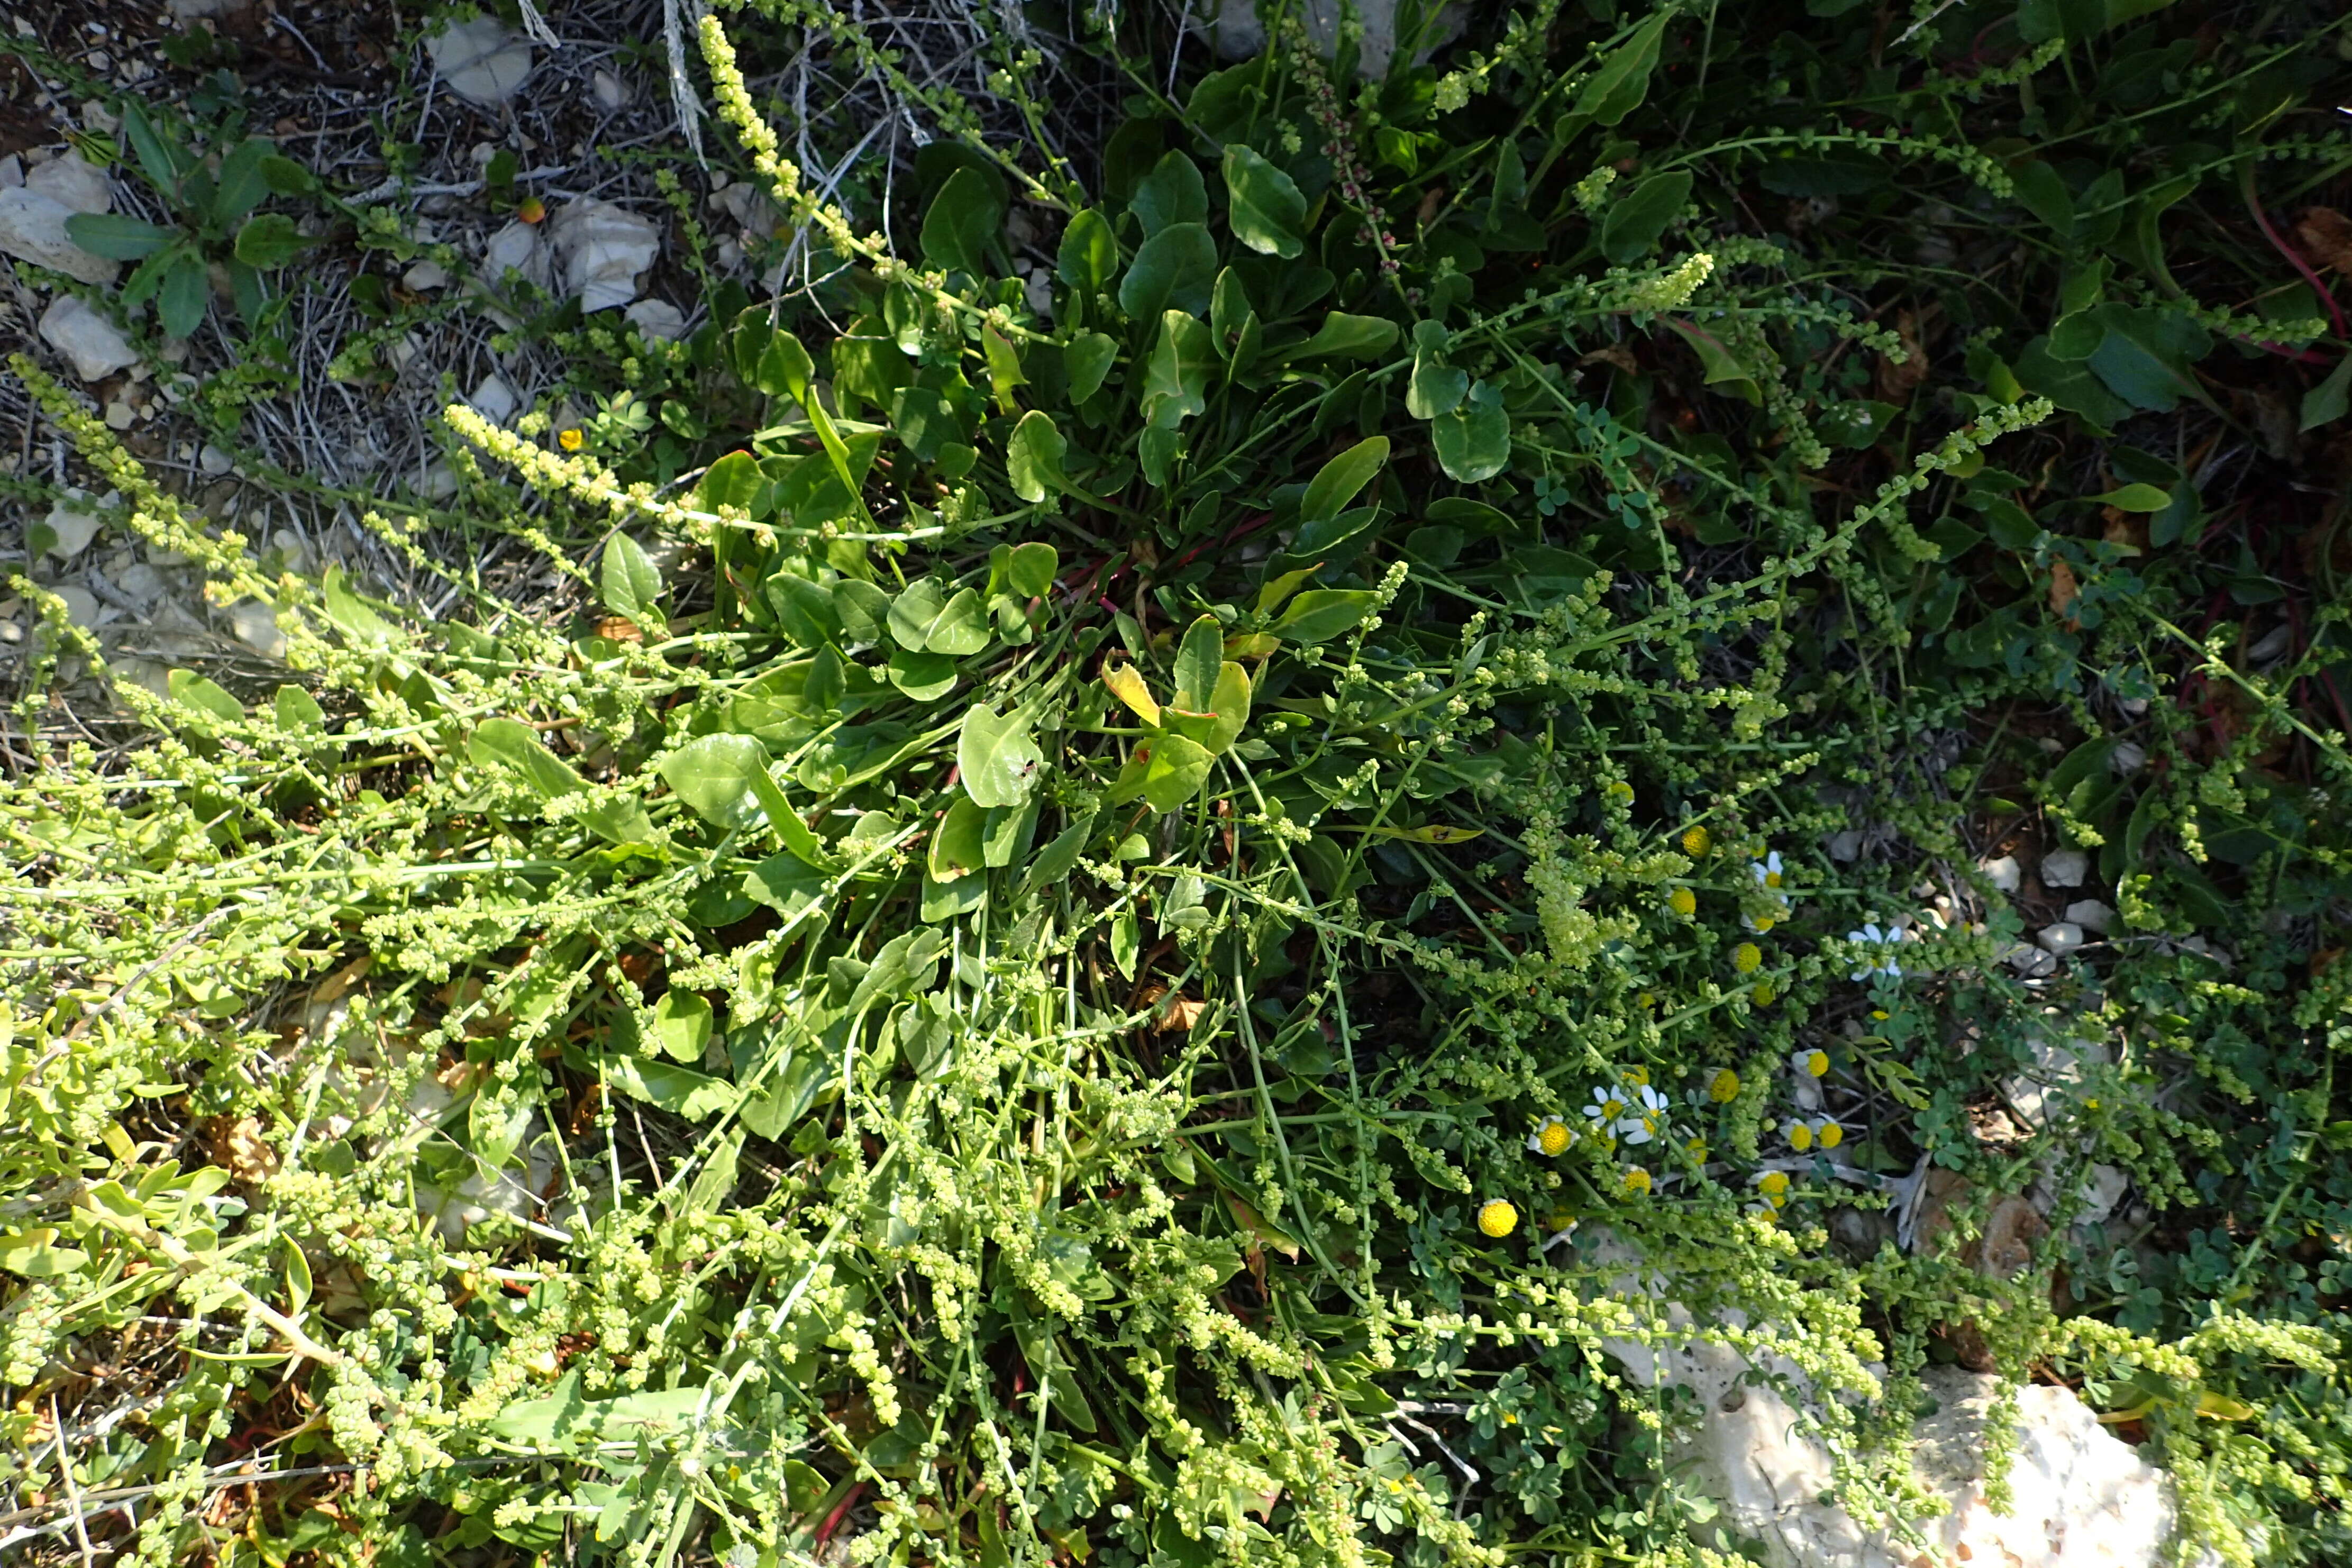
(34, 1255)
(164, 163)
(2325, 404)
(1032, 457)
(2146, 355)
(924, 677)
(1640, 216)
(1126, 940)
(1321, 614)
(1339, 481)
(1177, 377)
(915, 612)
(619, 822)
(863, 609)
(679, 1091)
(298, 711)
(516, 747)
(713, 775)
(1198, 659)
(1474, 442)
(285, 177)
(269, 239)
(1617, 89)
(1263, 204)
(1089, 253)
(997, 756)
(1176, 267)
(1435, 387)
(1856, 425)
(1229, 701)
(2135, 498)
(1174, 770)
(682, 1024)
(2042, 190)
(962, 224)
(1029, 571)
(962, 628)
(786, 884)
(190, 689)
(1343, 336)
(957, 849)
(242, 185)
(1085, 360)
(631, 583)
(783, 368)
(180, 303)
(116, 237)
(733, 481)
(1057, 859)
(1277, 589)
(1173, 192)
(804, 609)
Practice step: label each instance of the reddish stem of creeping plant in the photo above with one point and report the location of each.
(840, 1510)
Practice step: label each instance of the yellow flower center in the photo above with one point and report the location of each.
(1817, 1063)
(1637, 1181)
(1832, 1135)
(1683, 902)
(1765, 924)
(1724, 1087)
(1775, 1183)
(1635, 1075)
(1613, 1109)
(1800, 1137)
(570, 440)
(1498, 1218)
(1553, 1138)
(1746, 958)
(1694, 841)
(1763, 994)
(1771, 878)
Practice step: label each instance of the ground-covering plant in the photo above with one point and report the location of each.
(1129, 884)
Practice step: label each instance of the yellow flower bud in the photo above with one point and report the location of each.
(1498, 1218)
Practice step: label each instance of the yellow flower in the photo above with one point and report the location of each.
(1498, 1218)
(1813, 1063)
(1827, 1133)
(1800, 1137)
(1763, 994)
(1879, 1014)
(570, 439)
(1636, 1074)
(1552, 1137)
(1621, 792)
(1637, 1182)
(1697, 1150)
(1774, 1185)
(1694, 842)
(1746, 958)
(1562, 1219)
(1724, 1086)
(1683, 902)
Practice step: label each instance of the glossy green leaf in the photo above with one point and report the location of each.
(1089, 258)
(1618, 88)
(1338, 481)
(1198, 659)
(924, 677)
(962, 224)
(242, 185)
(180, 299)
(733, 481)
(682, 1026)
(1321, 614)
(1173, 192)
(998, 757)
(2148, 355)
(2135, 498)
(1087, 359)
(1263, 204)
(788, 885)
(1032, 457)
(1175, 267)
(1637, 219)
(1474, 442)
(190, 689)
(1435, 387)
(956, 848)
(713, 775)
(1343, 336)
(2324, 402)
(1174, 772)
(863, 609)
(297, 711)
(1183, 365)
(269, 239)
(630, 581)
(516, 747)
(1029, 571)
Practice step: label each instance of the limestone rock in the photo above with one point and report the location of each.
(515, 249)
(72, 184)
(2064, 868)
(2059, 938)
(425, 275)
(657, 318)
(604, 248)
(33, 228)
(479, 60)
(91, 341)
(2092, 915)
(74, 522)
(2003, 873)
(257, 627)
(494, 400)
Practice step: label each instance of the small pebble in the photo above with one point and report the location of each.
(2003, 873)
(2064, 868)
(2059, 938)
(2090, 915)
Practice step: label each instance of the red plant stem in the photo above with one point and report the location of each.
(2295, 256)
(833, 1520)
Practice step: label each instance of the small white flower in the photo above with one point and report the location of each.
(1648, 1116)
(1812, 1061)
(1871, 935)
(1607, 1106)
(1766, 871)
(1552, 1136)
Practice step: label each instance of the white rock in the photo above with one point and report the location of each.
(440, 481)
(2064, 868)
(425, 275)
(2030, 961)
(73, 184)
(611, 91)
(12, 172)
(214, 462)
(1846, 843)
(2134, 707)
(479, 60)
(2002, 873)
(515, 249)
(74, 519)
(604, 248)
(747, 205)
(140, 582)
(198, 10)
(2055, 1069)
(2090, 915)
(1240, 34)
(2059, 938)
(494, 400)
(91, 341)
(2128, 758)
(2101, 1192)
(81, 605)
(119, 415)
(33, 228)
(657, 318)
(257, 627)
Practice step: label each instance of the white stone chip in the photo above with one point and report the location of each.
(604, 248)
(256, 626)
(2064, 868)
(2092, 915)
(611, 92)
(214, 462)
(480, 60)
(91, 341)
(73, 184)
(81, 605)
(33, 228)
(74, 519)
(2059, 938)
(2128, 758)
(494, 400)
(424, 277)
(657, 318)
(2003, 873)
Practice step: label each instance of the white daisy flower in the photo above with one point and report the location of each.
(1647, 1117)
(1766, 871)
(1872, 936)
(1607, 1105)
(1814, 1062)
(1551, 1137)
